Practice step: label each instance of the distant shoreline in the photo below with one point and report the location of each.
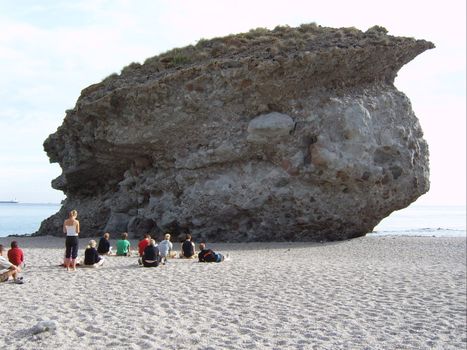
(369, 234)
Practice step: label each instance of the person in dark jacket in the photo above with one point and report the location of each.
(208, 255)
(91, 256)
(104, 247)
(151, 256)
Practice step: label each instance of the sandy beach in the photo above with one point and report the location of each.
(367, 293)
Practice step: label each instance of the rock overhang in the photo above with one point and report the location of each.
(264, 137)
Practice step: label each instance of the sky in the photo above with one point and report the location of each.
(51, 50)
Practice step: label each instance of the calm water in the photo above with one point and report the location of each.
(440, 221)
(21, 218)
(444, 221)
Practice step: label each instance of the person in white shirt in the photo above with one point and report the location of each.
(165, 248)
(7, 269)
(71, 229)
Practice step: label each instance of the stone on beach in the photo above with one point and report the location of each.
(288, 134)
(44, 326)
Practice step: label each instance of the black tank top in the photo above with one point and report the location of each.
(187, 248)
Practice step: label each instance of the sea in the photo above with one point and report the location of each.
(416, 220)
(24, 218)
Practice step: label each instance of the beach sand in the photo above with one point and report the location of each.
(366, 293)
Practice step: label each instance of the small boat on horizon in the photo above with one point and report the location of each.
(9, 202)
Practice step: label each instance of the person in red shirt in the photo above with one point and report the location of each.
(16, 255)
(143, 244)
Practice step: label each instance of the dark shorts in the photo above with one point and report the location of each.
(150, 264)
(71, 247)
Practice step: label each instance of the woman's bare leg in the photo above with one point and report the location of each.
(73, 264)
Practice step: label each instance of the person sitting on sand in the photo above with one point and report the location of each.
(7, 269)
(143, 243)
(16, 255)
(208, 255)
(91, 256)
(165, 248)
(104, 247)
(151, 256)
(71, 229)
(123, 245)
(188, 248)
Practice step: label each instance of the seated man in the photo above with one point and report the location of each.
(151, 256)
(104, 247)
(188, 248)
(16, 255)
(143, 243)
(7, 269)
(165, 248)
(123, 245)
(208, 255)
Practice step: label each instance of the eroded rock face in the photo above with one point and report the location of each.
(290, 134)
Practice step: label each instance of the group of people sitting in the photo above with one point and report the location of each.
(11, 267)
(151, 254)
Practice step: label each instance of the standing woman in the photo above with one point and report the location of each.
(71, 228)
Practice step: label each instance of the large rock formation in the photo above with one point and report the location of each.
(289, 134)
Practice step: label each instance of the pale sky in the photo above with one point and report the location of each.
(51, 50)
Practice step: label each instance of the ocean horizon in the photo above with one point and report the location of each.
(416, 220)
